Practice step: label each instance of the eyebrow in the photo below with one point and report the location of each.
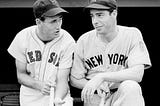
(97, 13)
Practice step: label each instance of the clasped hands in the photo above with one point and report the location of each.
(95, 84)
(45, 90)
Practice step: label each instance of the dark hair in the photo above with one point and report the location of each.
(42, 18)
(46, 8)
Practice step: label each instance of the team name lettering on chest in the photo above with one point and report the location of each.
(53, 58)
(116, 58)
(34, 56)
(37, 56)
(94, 61)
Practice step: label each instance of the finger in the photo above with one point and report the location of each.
(62, 102)
(88, 96)
(45, 92)
(51, 84)
(102, 100)
(59, 102)
(46, 88)
(103, 94)
(99, 91)
(91, 95)
(84, 94)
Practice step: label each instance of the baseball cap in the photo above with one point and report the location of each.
(46, 8)
(102, 4)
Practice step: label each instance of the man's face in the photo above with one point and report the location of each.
(102, 20)
(51, 26)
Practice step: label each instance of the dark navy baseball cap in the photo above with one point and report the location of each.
(47, 8)
(102, 4)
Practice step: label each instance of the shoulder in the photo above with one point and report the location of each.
(26, 32)
(88, 36)
(66, 36)
(22, 37)
(130, 31)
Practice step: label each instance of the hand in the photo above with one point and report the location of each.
(45, 87)
(90, 87)
(58, 102)
(104, 87)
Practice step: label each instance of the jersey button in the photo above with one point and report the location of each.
(108, 67)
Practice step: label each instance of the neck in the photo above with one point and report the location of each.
(39, 35)
(108, 37)
(43, 36)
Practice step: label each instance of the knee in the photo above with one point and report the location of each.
(130, 86)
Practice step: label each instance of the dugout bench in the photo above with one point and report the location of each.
(9, 95)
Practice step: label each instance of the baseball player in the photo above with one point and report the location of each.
(110, 60)
(43, 56)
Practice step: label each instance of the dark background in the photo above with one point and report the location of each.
(12, 20)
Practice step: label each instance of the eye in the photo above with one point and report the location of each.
(53, 21)
(100, 14)
(91, 15)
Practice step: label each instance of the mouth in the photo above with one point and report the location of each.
(57, 32)
(98, 28)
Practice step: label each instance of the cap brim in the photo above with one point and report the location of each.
(54, 11)
(96, 6)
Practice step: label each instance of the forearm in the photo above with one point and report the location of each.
(28, 81)
(23, 77)
(134, 73)
(62, 88)
(78, 83)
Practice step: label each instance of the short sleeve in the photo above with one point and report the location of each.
(67, 56)
(17, 47)
(138, 51)
(78, 69)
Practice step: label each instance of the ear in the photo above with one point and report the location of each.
(38, 21)
(114, 13)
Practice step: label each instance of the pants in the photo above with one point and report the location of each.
(31, 97)
(128, 94)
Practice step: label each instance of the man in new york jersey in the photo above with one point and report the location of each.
(43, 57)
(109, 61)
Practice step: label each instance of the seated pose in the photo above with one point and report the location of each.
(109, 61)
(43, 55)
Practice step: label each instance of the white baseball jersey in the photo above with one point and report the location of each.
(93, 56)
(42, 60)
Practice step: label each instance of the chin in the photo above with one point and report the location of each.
(99, 31)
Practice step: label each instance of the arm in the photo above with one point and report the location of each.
(77, 77)
(26, 80)
(78, 83)
(23, 77)
(62, 83)
(134, 73)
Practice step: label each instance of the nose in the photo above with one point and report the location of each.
(94, 21)
(58, 24)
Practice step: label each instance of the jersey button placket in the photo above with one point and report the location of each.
(44, 60)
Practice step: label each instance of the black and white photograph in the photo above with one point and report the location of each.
(79, 52)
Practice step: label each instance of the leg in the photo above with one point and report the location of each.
(68, 100)
(96, 101)
(129, 94)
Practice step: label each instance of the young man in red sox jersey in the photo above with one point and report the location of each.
(40, 51)
(110, 58)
